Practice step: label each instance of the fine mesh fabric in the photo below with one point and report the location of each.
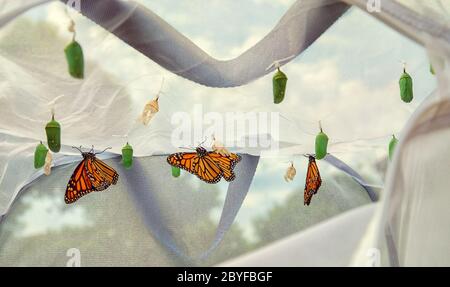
(135, 49)
(153, 219)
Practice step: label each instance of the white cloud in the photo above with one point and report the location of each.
(256, 36)
(44, 215)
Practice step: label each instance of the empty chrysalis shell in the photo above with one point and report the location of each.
(176, 171)
(150, 110)
(406, 87)
(279, 86)
(75, 59)
(39, 155)
(127, 156)
(71, 28)
(290, 173)
(48, 164)
(321, 144)
(53, 131)
(392, 145)
(219, 148)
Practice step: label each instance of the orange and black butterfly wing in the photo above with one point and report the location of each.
(79, 184)
(184, 160)
(226, 163)
(208, 170)
(204, 168)
(100, 174)
(313, 181)
(109, 174)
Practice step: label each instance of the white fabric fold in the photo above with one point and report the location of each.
(329, 243)
(145, 31)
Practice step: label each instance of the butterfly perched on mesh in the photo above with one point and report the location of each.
(209, 166)
(90, 175)
(313, 181)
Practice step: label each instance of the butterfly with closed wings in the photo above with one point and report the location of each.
(90, 175)
(208, 166)
(313, 180)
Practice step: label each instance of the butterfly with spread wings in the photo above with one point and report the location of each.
(313, 180)
(90, 175)
(209, 166)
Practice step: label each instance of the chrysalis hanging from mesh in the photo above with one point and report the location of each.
(406, 87)
(39, 155)
(53, 131)
(290, 173)
(321, 144)
(127, 156)
(150, 110)
(176, 171)
(279, 86)
(74, 56)
(279, 79)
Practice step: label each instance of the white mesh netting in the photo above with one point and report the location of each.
(347, 79)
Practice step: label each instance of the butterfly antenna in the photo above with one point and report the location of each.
(79, 149)
(203, 141)
(104, 150)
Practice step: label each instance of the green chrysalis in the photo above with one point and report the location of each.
(39, 155)
(53, 130)
(392, 145)
(176, 171)
(279, 86)
(127, 156)
(75, 59)
(432, 69)
(321, 144)
(406, 87)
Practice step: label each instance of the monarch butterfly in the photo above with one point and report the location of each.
(207, 165)
(90, 175)
(313, 181)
